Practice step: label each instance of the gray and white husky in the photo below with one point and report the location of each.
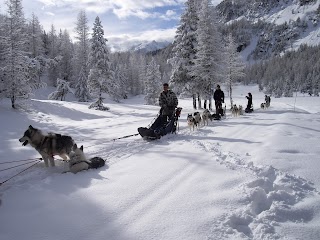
(48, 145)
(78, 161)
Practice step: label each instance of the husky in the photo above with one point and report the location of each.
(263, 105)
(206, 115)
(191, 121)
(235, 111)
(240, 109)
(78, 161)
(48, 145)
(197, 118)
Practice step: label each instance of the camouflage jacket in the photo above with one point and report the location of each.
(168, 101)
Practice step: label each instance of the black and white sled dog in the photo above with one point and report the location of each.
(194, 120)
(78, 161)
(191, 122)
(206, 116)
(263, 105)
(197, 118)
(48, 145)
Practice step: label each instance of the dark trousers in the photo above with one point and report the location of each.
(218, 106)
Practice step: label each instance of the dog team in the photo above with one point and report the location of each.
(51, 144)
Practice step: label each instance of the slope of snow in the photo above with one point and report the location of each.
(249, 177)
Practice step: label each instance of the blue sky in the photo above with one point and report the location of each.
(124, 21)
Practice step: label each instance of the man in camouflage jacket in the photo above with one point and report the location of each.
(168, 102)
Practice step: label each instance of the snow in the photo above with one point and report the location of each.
(254, 176)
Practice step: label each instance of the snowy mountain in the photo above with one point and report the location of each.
(269, 28)
(149, 46)
(117, 45)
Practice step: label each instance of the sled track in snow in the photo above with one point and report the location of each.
(268, 200)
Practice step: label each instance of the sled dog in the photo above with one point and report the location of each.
(206, 115)
(235, 111)
(197, 118)
(240, 109)
(48, 145)
(263, 105)
(78, 161)
(191, 121)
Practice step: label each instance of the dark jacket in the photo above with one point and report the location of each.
(168, 101)
(249, 101)
(218, 95)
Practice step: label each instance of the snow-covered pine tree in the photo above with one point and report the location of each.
(66, 51)
(81, 56)
(234, 65)
(184, 49)
(81, 89)
(207, 67)
(153, 83)
(62, 90)
(38, 62)
(100, 78)
(121, 78)
(35, 43)
(15, 84)
(54, 57)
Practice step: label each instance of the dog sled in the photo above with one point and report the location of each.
(160, 128)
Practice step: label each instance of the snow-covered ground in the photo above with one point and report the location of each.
(254, 176)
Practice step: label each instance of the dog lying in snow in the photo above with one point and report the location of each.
(78, 161)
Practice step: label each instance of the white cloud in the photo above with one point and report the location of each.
(121, 8)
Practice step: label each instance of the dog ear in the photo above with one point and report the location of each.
(81, 148)
(74, 147)
(30, 127)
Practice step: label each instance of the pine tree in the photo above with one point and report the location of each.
(235, 66)
(121, 78)
(184, 48)
(62, 90)
(81, 56)
(82, 91)
(54, 57)
(100, 76)
(208, 62)
(66, 52)
(15, 77)
(153, 82)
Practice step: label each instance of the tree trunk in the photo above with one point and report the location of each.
(194, 101)
(13, 101)
(199, 101)
(230, 90)
(205, 104)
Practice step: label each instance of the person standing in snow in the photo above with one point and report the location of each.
(249, 107)
(218, 97)
(168, 102)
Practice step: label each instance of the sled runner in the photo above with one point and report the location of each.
(160, 128)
